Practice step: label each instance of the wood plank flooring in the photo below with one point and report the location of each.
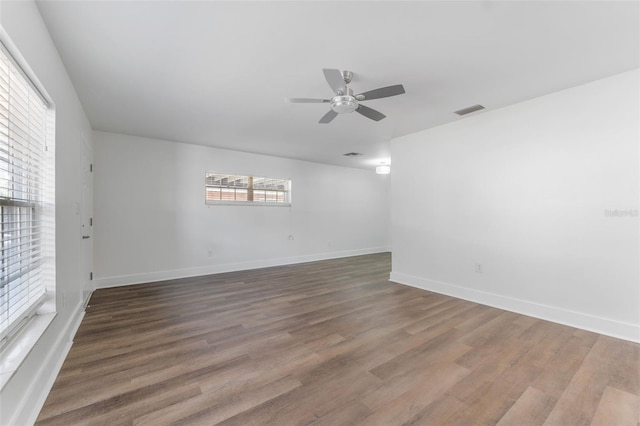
(332, 343)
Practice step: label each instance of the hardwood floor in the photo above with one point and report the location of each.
(332, 343)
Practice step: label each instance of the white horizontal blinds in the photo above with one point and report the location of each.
(223, 187)
(270, 190)
(226, 187)
(22, 144)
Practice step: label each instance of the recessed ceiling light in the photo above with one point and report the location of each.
(469, 110)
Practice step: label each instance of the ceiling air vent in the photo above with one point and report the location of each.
(469, 110)
(351, 154)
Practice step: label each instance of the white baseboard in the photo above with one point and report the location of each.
(123, 280)
(42, 382)
(606, 326)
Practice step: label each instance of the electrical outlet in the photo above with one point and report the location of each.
(478, 267)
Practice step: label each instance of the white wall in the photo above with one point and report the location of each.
(24, 394)
(523, 191)
(151, 221)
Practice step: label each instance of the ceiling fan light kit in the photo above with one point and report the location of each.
(344, 104)
(345, 101)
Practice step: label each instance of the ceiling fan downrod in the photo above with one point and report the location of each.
(347, 76)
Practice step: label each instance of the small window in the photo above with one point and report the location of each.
(237, 189)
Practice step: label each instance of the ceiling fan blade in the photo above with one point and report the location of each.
(334, 78)
(370, 113)
(307, 101)
(328, 117)
(383, 92)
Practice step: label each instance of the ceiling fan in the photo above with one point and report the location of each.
(345, 101)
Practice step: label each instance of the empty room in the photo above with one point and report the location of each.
(319, 212)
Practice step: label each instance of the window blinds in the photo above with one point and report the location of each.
(246, 189)
(22, 143)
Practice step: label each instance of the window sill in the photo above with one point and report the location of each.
(246, 203)
(18, 348)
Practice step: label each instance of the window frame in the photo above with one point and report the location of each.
(250, 189)
(24, 328)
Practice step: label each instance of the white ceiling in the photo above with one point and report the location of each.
(217, 73)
